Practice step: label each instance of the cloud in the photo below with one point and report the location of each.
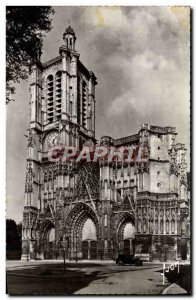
(140, 56)
(143, 65)
(121, 104)
(111, 17)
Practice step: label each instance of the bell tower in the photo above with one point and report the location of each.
(62, 112)
(69, 38)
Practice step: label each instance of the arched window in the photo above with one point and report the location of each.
(70, 139)
(139, 225)
(183, 227)
(156, 227)
(151, 226)
(167, 226)
(70, 108)
(161, 226)
(58, 94)
(105, 220)
(188, 229)
(173, 226)
(50, 99)
(144, 225)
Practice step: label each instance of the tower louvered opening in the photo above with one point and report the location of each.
(84, 100)
(50, 98)
(58, 95)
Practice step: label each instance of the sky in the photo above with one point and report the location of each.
(140, 56)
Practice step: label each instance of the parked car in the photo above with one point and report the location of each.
(123, 259)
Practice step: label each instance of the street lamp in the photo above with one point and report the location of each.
(76, 250)
(64, 249)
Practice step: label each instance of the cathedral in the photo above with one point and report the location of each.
(97, 210)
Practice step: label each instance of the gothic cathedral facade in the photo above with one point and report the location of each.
(97, 210)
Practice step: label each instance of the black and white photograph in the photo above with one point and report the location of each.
(98, 143)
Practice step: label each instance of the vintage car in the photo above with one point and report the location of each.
(123, 259)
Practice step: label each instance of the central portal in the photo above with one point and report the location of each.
(126, 234)
(82, 231)
(89, 240)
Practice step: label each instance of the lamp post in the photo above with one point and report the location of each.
(64, 260)
(64, 249)
(76, 250)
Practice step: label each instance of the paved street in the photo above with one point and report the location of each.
(49, 278)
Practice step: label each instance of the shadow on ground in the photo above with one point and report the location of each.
(182, 278)
(47, 280)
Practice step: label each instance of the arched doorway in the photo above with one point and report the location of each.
(82, 232)
(126, 234)
(48, 245)
(50, 249)
(89, 240)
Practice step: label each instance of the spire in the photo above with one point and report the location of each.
(69, 37)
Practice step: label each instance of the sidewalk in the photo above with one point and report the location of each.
(174, 289)
(11, 264)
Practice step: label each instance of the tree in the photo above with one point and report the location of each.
(13, 238)
(19, 229)
(25, 26)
